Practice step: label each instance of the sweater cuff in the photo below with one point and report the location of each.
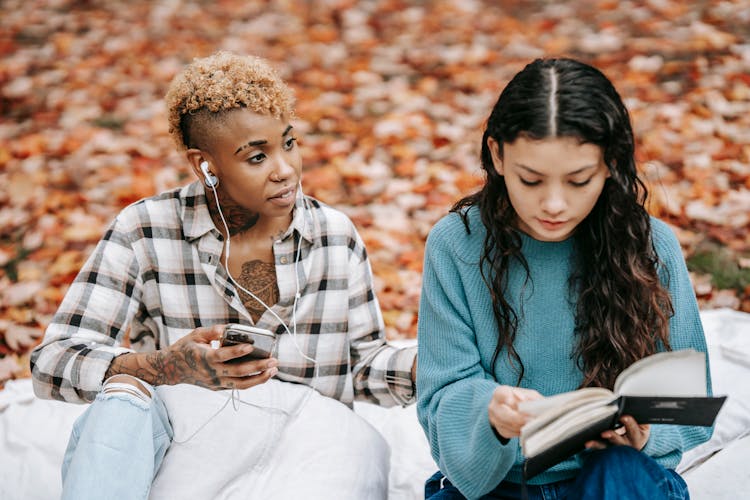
(503, 441)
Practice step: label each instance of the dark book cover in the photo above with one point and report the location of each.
(567, 447)
(671, 410)
(698, 411)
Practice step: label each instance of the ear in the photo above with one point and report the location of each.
(609, 169)
(195, 157)
(497, 158)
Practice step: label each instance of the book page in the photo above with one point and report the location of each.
(564, 427)
(672, 373)
(547, 409)
(542, 406)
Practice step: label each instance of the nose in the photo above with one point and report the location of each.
(554, 202)
(283, 169)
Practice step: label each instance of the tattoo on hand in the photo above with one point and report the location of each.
(182, 366)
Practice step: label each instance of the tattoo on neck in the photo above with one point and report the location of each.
(238, 218)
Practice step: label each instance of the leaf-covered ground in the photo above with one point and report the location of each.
(392, 97)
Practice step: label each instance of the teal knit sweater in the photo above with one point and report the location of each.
(457, 334)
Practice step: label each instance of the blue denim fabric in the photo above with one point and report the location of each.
(619, 472)
(116, 447)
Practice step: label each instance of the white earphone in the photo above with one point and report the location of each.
(210, 179)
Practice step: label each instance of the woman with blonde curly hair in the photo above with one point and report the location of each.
(241, 245)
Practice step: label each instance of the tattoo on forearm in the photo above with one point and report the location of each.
(183, 366)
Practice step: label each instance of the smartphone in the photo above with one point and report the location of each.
(264, 341)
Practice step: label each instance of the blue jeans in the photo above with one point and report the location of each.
(116, 446)
(619, 472)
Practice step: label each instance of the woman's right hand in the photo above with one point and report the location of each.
(503, 409)
(192, 360)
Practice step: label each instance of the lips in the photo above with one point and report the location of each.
(283, 194)
(551, 224)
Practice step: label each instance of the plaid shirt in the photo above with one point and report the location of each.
(156, 275)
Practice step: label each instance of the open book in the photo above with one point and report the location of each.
(664, 388)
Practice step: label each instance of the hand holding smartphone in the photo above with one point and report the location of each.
(263, 341)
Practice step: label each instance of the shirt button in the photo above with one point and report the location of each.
(282, 260)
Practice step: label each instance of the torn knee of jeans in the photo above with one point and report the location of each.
(125, 384)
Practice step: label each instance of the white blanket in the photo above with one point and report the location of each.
(34, 433)
(273, 442)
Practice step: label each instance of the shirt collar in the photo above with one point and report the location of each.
(196, 218)
(302, 221)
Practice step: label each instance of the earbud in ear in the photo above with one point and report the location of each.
(210, 179)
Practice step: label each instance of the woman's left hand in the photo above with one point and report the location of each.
(630, 434)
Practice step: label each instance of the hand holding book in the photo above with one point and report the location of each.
(630, 433)
(503, 411)
(664, 388)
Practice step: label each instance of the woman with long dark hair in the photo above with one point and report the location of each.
(551, 278)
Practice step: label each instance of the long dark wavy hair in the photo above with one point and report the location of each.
(622, 310)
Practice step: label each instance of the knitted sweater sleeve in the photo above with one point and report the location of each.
(453, 389)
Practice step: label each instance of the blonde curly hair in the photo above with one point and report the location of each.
(199, 96)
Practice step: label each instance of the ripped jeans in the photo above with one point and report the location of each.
(102, 435)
